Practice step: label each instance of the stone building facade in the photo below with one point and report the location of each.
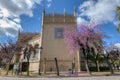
(51, 41)
(53, 27)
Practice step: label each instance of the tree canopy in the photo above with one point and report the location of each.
(118, 10)
(84, 37)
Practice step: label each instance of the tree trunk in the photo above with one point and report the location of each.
(73, 66)
(7, 68)
(97, 66)
(87, 67)
(86, 60)
(113, 64)
(111, 69)
(86, 64)
(21, 68)
(56, 63)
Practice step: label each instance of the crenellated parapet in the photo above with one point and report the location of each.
(59, 18)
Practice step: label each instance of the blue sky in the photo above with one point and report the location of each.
(27, 15)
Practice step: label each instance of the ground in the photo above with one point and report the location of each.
(65, 78)
(80, 76)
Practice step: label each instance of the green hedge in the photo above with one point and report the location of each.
(101, 68)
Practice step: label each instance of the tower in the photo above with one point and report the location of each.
(74, 12)
(53, 27)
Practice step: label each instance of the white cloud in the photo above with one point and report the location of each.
(17, 20)
(48, 5)
(8, 27)
(82, 21)
(117, 45)
(10, 11)
(98, 11)
(49, 2)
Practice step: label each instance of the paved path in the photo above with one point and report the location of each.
(65, 78)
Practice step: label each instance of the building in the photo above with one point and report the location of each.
(51, 44)
(52, 41)
(23, 40)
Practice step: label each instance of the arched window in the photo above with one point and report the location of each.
(36, 52)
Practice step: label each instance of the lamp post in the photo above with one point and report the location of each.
(39, 73)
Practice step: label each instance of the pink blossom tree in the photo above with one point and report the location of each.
(82, 39)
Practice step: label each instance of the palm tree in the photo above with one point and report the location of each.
(118, 10)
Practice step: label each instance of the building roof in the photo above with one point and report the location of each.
(24, 38)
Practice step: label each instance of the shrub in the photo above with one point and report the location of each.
(101, 68)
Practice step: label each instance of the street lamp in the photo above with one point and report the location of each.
(39, 60)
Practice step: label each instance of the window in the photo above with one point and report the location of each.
(36, 54)
(59, 33)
